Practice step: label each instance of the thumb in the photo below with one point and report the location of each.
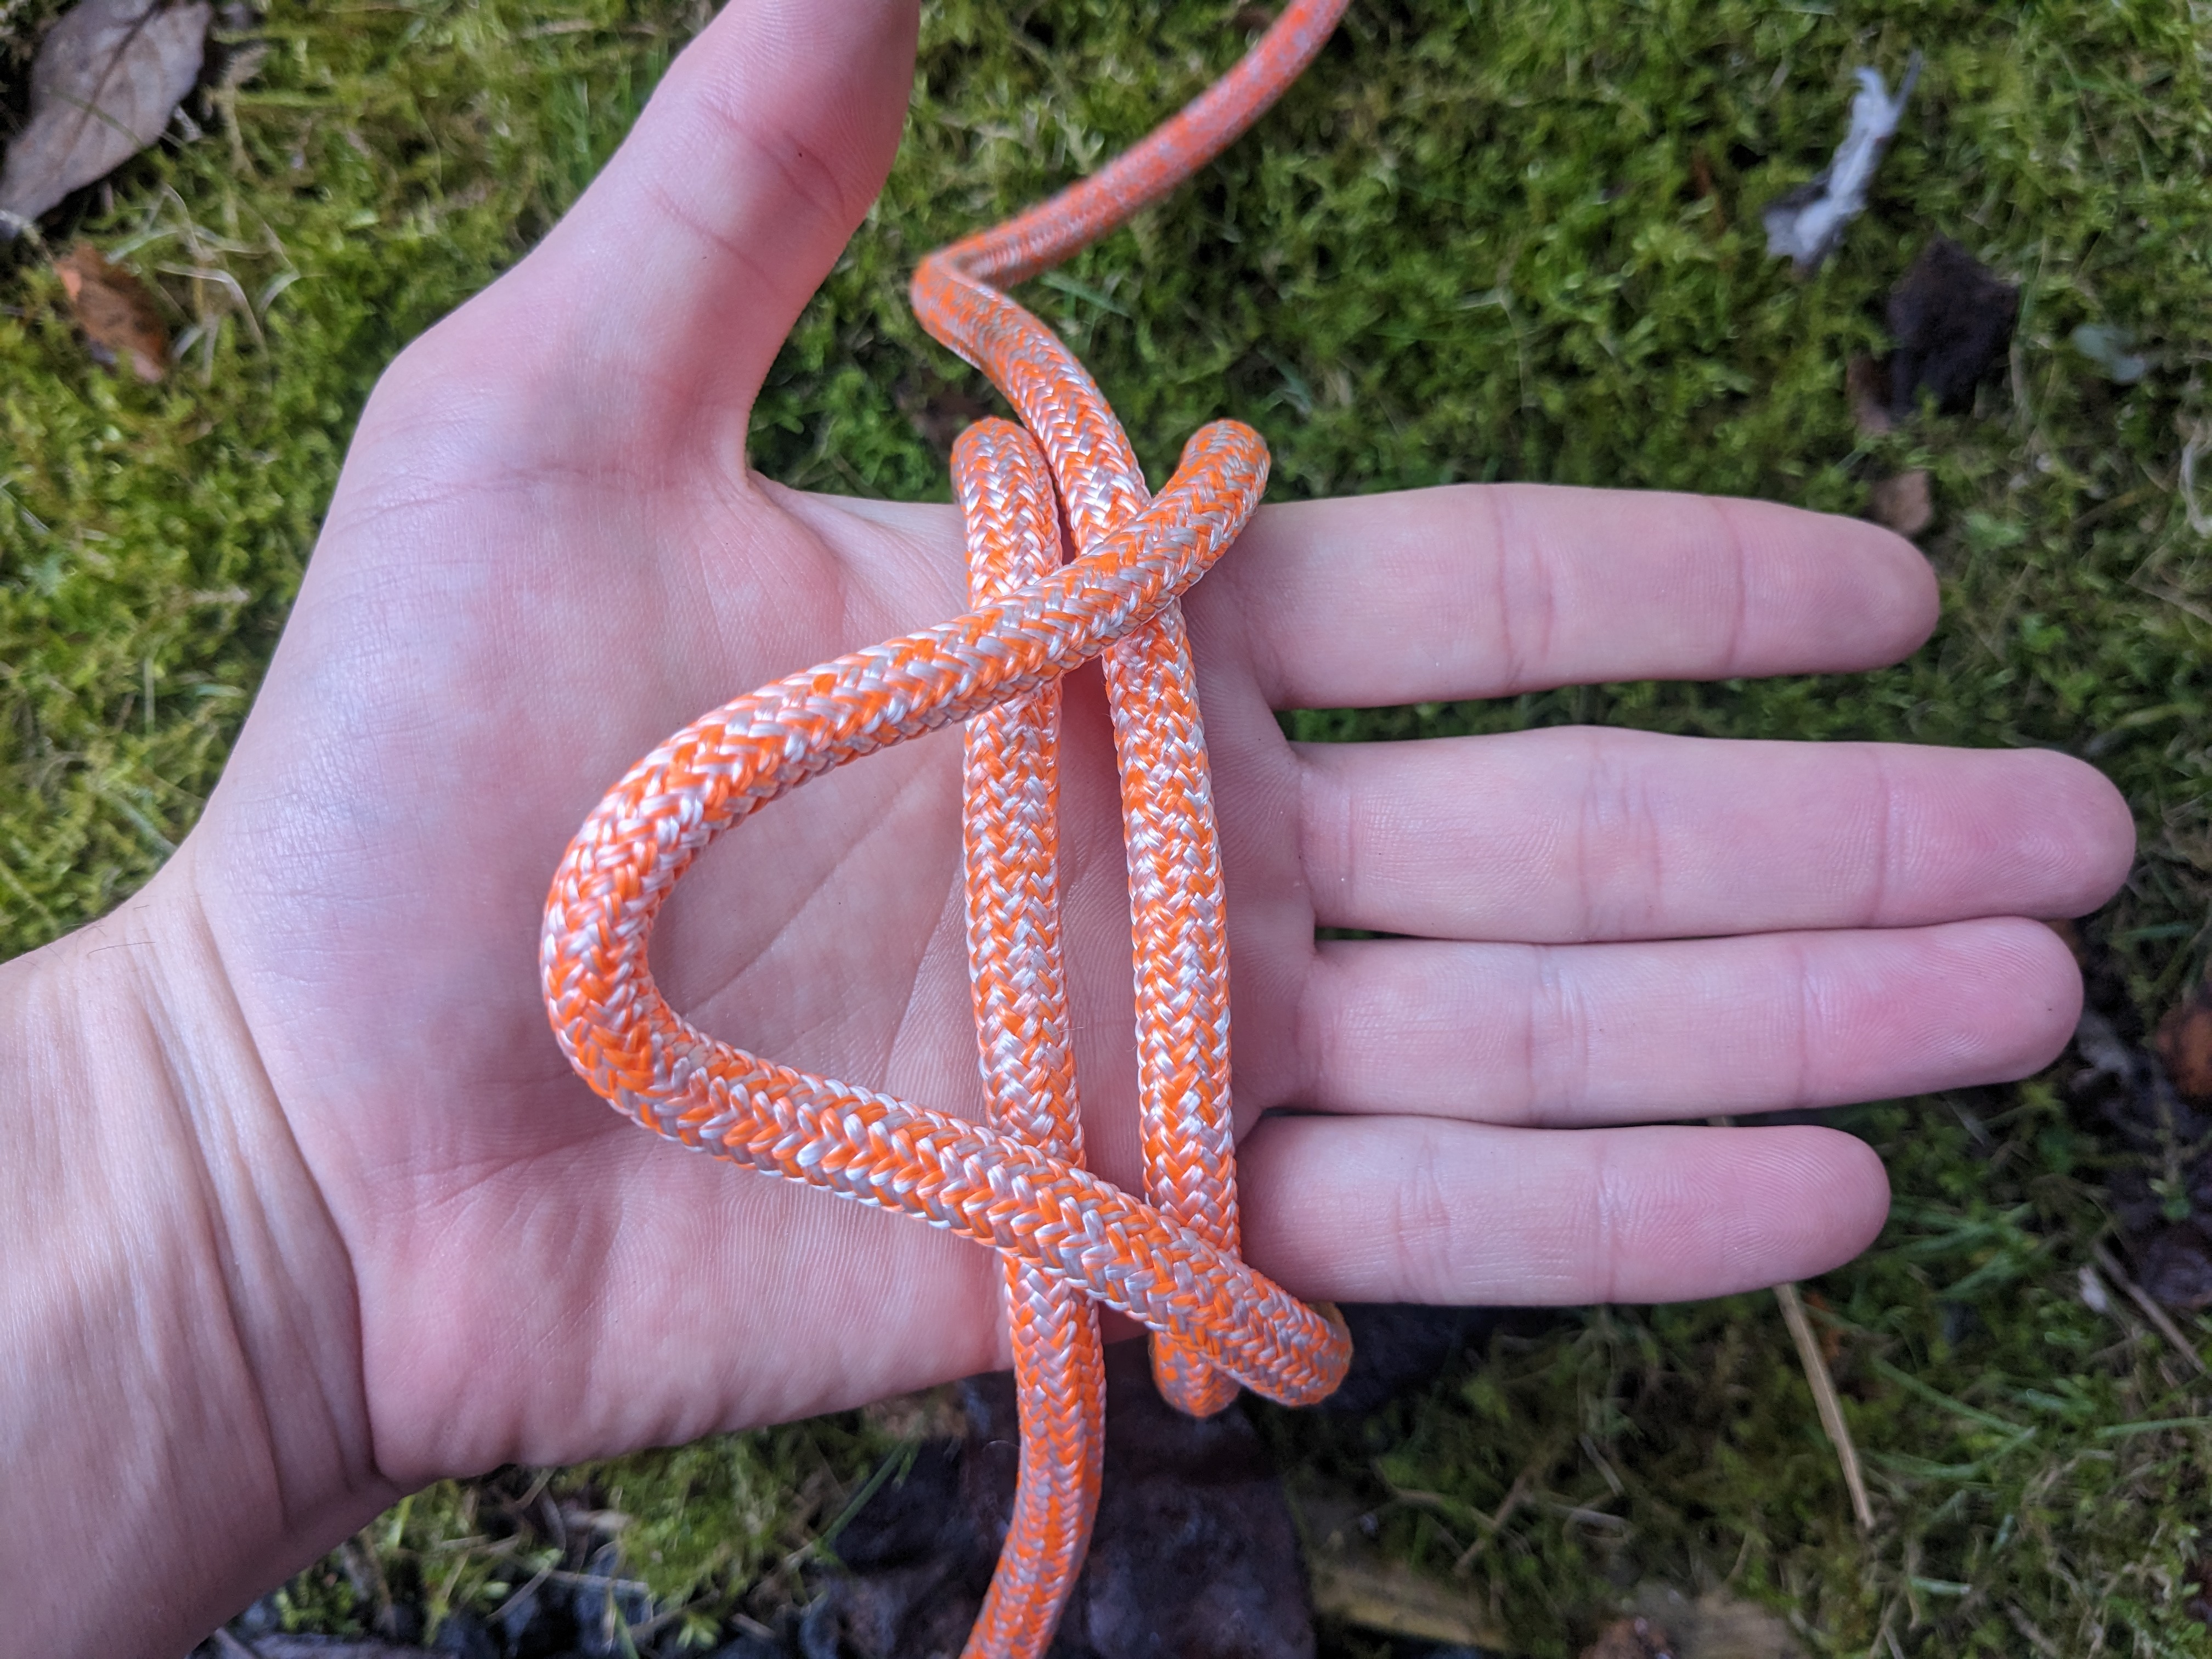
(664, 293)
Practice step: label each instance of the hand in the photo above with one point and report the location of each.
(546, 553)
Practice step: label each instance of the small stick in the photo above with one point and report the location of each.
(1816, 1371)
(1496, 1523)
(1824, 1398)
(2036, 1639)
(2109, 1265)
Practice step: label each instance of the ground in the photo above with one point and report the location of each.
(1518, 240)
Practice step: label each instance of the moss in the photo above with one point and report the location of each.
(383, 163)
(730, 1519)
(1515, 241)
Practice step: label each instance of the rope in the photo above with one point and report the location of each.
(1068, 1239)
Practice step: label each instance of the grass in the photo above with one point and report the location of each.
(1510, 241)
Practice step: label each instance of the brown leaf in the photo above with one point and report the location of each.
(1703, 187)
(1863, 385)
(1903, 503)
(2184, 1044)
(1716, 1625)
(1831, 1336)
(1386, 1596)
(107, 78)
(1953, 318)
(115, 312)
(1630, 1638)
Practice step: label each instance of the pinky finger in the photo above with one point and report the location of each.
(1416, 1209)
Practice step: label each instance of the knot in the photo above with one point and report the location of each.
(1070, 482)
(987, 1183)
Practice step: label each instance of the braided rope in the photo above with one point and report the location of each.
(1069, 1239)
(1009, 818)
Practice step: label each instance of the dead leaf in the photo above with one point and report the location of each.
(1702, 186)
(1353, 1583)
(1631, 1638)
(108, 77)
(1385, 1596)
(1863, 385)
(931, 1414)
(1831, 1335)
(1715, 1626)
(2184, 1044)
(115, 312)
(1903, 503)
(1953, 318)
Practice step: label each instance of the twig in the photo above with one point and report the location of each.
(2109, 1265)
(515, 1598)
(1816, 1364)
(1519, 1491)
(1514, 1494)
(1588, 1518)
(1881, 1631)
(1824, 1398)
(2036, 1638)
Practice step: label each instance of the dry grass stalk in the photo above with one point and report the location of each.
(2109, 1265)
(1824, 1398)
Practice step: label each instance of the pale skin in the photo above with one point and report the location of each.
(302, 1207)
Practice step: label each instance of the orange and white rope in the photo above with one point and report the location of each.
(1069, 1239)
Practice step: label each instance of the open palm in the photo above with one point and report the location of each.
(547, 552)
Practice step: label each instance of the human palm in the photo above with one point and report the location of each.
(546, 553)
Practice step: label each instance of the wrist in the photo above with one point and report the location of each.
(181, 1411)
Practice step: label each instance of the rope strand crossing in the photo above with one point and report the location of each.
(1069, 1240)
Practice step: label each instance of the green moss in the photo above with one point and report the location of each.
(383, 163)
(725, 1519)
(1513, 241)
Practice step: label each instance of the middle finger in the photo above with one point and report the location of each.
(1556, 1036)
(1583, 834)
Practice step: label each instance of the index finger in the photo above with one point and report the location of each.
(1487, 590)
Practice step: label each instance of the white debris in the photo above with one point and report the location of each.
(2094, 1296)
(1806, 223)
(2113, 349)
